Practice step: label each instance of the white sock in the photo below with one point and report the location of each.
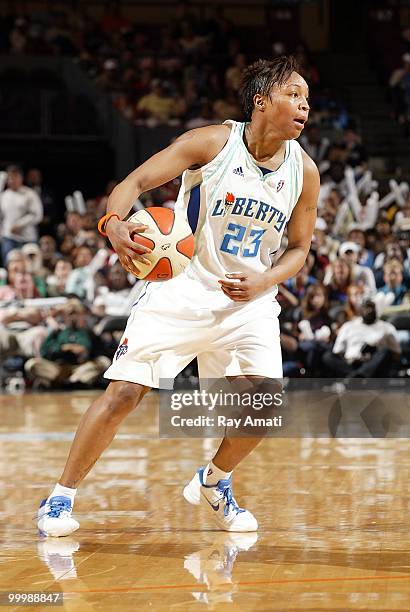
(212, 474)
(65, 491)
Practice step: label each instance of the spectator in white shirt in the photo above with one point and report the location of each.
(21, 211)
(364, 347)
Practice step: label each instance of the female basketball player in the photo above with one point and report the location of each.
(222, 308)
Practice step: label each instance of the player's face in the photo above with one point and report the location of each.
(288, 108)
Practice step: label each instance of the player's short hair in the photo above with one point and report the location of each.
(261, 76)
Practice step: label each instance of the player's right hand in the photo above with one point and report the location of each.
(128, 251)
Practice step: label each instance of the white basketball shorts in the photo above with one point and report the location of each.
(175, 321)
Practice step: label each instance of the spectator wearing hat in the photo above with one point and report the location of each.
(364, 347)
(34, 260)
(357, 234)
(20, 212)
(361, 275)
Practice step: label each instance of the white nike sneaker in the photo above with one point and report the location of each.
(54, 517)
(220, 502)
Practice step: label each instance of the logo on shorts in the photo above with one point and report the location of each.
(279, 185)
(122, 349)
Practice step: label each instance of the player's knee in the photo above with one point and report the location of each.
(122, 397)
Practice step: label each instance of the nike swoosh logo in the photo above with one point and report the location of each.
(213, 506)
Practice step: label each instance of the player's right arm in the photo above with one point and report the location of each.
(193, 149)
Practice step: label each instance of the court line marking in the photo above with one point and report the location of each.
(238, 584)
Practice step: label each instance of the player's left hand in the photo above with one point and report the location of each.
(243, 287)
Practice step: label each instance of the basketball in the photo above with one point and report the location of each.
(171, 240)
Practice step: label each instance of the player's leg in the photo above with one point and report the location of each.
(251, 354)
(98, 427)
(95, 432)
(232, 450)
(149, 352)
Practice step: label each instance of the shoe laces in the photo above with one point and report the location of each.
(60, 507)
(230, 501)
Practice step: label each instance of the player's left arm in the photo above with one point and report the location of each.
(300, 230)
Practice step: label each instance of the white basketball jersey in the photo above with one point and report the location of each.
(237, 210)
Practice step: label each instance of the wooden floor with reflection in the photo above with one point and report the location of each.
(333, 514)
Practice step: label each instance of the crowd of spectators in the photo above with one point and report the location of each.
(64, 296)
(392, 62)
(186, 73)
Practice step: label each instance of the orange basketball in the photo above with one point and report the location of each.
(170, 238)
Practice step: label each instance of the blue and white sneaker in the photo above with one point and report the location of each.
(220, 503)
(54, 517)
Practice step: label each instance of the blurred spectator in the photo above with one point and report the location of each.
(402, 218)
(362, 275)
(20, 286)
(20, 212)
(227, 107)
(21, 343)
(67, 352)
(364, 347)
(18, 282)
(18, 37)
(34, 180)
(393, 279)
(189, 41)
(355, 297)
(81, 280)
(117, 296)
(233, 75)
(393, 250)
(57, 282)
(299, 283)
(338, 278)
(314, 325)
(205, 116)
(48, 247)
(400, 88)
(109, 79)
(356, 154)
(34, 260)
(113, 20)
(314, 143)
(157, 107)
(358, 236)
(314, 308)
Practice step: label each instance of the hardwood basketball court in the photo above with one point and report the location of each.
(333, 515)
